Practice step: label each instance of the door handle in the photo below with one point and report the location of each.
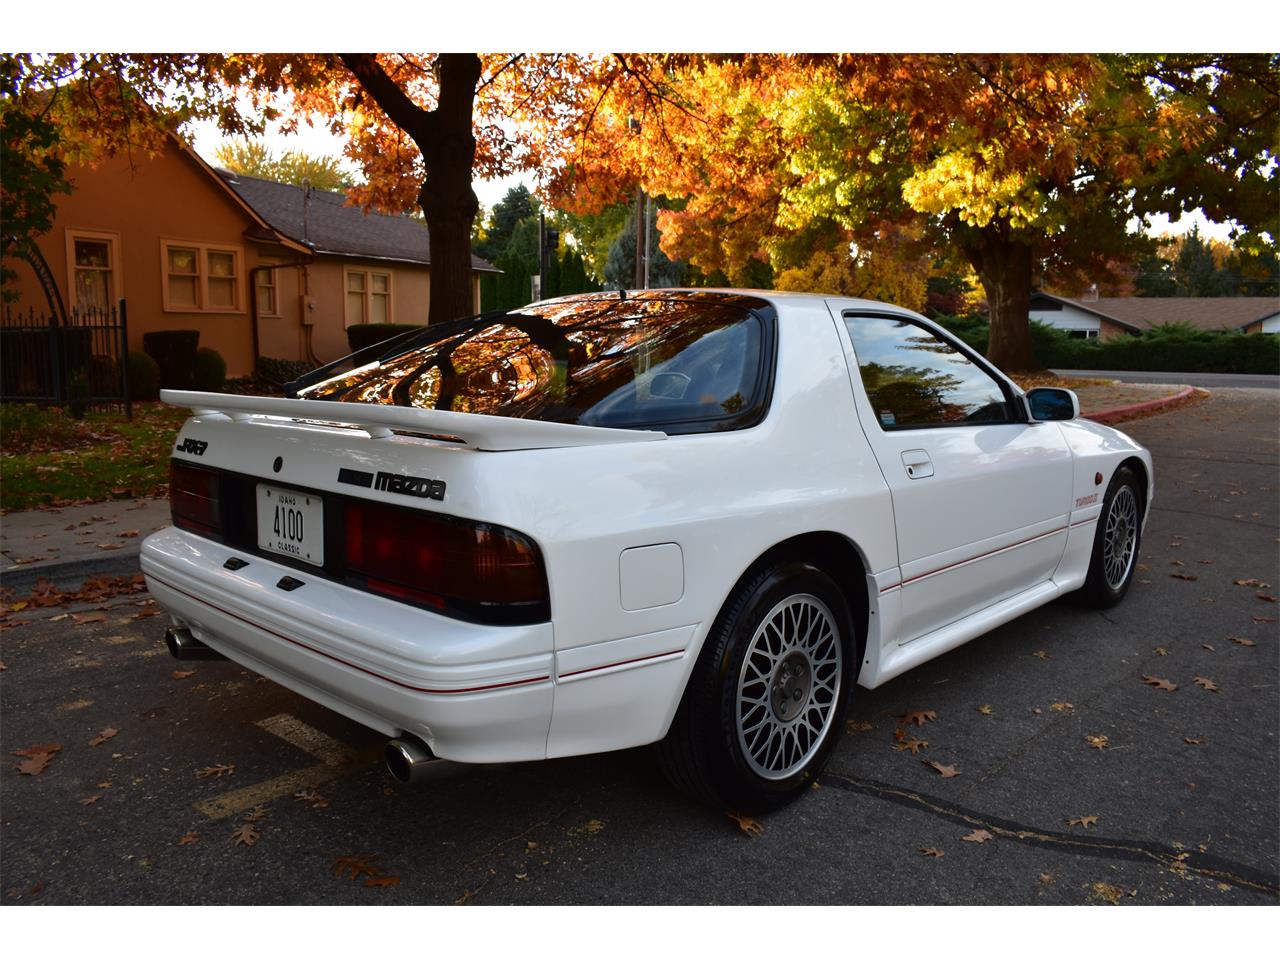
(917, 463)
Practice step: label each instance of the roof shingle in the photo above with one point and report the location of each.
(335, 228)
(1205, 313)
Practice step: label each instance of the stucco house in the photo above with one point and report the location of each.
(259, 268)
(1106, 317)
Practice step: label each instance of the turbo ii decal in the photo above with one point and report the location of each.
(1086, 501)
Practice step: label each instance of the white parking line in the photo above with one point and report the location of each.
(336, 758)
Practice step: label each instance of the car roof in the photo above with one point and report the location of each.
(790, 297)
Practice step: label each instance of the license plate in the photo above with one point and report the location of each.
(291, 523)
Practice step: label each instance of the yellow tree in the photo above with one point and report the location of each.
(1022, 165)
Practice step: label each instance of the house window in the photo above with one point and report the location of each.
(1082, 334)
(265, 291)
(93, 263)
(199, 277)
(368, 297)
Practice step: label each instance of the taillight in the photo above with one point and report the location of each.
(193, 499)
(478, 570)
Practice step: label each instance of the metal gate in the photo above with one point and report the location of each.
(82, 360)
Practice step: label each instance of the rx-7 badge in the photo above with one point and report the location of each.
(192, 445)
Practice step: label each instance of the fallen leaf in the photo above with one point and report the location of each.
(1194, 741)
(1184, 576)
(947, 771)
(1046, 879)
(1207, 646)
(1267, 597)
(1159, 682)
(389, 881)
(1161, 652)
(1253, 582)
(1177, 563)
(986, 710)
(1042, 654)
(256, 815)
(188, 838)
(37, 758)
(931, 851)
(977, 836)
(1242, 641)
(183, 674)
(217, 770)
(2, 667)
(88, 617)
(313, 797)
(246, 834)
(1062, 707)
(857, 726)
(103, 737)
(1263, 619)
(914, 745)
(105, 784)
(20, 605)
(1087, 821)
(354, 865)
(88, 800)
(127, 534)
(1206, 683)
(1099, 742)
(1108, 892)
(752, 828)
(918, 717)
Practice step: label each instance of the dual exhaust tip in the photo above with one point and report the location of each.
(408, 760)
(183, 645)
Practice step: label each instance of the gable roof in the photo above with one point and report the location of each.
(333, 227)
(1205, 313)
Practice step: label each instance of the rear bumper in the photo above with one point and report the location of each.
(474, 693)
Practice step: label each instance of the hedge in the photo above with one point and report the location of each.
(174, 351)
(209, 373)
(144, 376)
(1175, 348)
(363, 335)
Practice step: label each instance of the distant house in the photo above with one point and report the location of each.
(1106, 317)
(259, 268)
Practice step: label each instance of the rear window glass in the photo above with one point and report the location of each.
(690, 363)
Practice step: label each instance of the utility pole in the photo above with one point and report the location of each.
(641, 249)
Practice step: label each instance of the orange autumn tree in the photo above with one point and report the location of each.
(1024, 166)
(419, 125)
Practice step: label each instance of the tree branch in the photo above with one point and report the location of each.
(418, 123)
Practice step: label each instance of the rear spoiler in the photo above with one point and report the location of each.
(476, 430)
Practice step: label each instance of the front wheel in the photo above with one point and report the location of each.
(761, 710)
(1115, 542)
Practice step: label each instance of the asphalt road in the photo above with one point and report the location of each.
(1210, 380)
(1184, 792)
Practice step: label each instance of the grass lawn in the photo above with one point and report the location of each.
(49, 460)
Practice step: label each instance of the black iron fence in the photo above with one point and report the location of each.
(80, 362)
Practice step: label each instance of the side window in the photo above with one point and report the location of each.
(914, 379)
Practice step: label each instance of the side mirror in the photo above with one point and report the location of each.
(1053, 403)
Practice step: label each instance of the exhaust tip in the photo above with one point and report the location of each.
(184, 646)
(408, 760)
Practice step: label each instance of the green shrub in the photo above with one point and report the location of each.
(104, 376)
(367, 334)
(276, 372)
(1176, 348)
(77, 395)
(210, 371)
(144, 376)
(174, 351)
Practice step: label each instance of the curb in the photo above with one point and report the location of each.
(1147, 406)
(23, 578)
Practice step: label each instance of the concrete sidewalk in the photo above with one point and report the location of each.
(71, 543)
(67, 544)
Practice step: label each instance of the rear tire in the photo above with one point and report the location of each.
(763, 706)
(1116, 542)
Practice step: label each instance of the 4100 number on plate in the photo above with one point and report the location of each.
(291, 523)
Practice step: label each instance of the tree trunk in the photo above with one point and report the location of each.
(1004, 267)
(447, 200)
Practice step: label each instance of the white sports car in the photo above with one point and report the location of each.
(688, 517)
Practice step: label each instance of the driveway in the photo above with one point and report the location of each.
(1075, 782)
(1210, 380)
